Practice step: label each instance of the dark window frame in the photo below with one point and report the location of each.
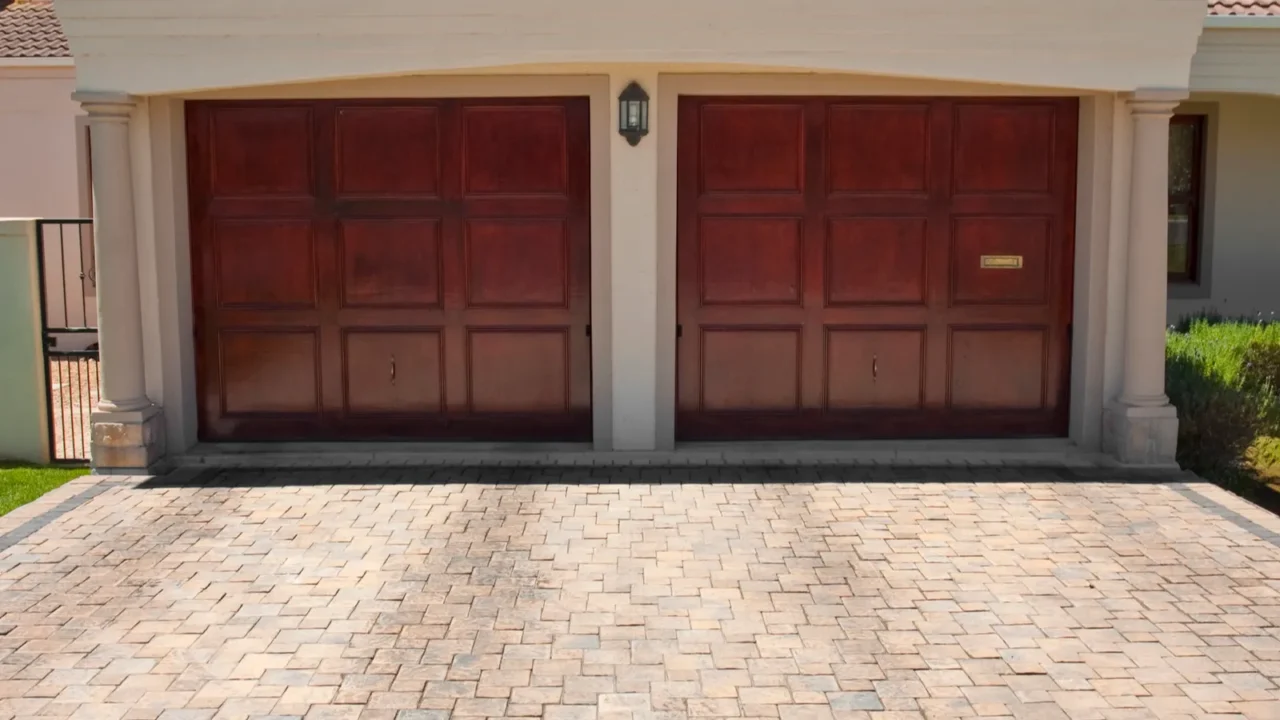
(1194, 199)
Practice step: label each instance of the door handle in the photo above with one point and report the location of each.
(875, 368)
(393, 369)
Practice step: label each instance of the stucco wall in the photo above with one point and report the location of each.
(1243, 234)
(39, 175)
(1236, 60)
(23, 432)
(166, 46)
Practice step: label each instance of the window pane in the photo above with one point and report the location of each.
(1179, 239)
(1182, 157)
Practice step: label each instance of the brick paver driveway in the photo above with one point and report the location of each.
(623, 594)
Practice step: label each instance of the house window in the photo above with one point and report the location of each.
(1186, 196)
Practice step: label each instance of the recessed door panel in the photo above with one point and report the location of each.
(998, 368)
(875, 369)
(537, 383)
(873, 260)
(264, 263)
(269, 371)
(259, 150)
(751, 369)
(394, 371)
(388, 151)
(751, 260)
(752, 148)
(515, 149)
(390, 262)
(878, 148)
(1005, 147)
(998, 260)
(517, 261)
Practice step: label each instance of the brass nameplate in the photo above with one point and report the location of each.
(1001, 262)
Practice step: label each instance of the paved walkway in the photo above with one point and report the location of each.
(629, 594)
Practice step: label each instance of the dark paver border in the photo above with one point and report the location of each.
(714, 474)
(1227, 513)
(39, 522)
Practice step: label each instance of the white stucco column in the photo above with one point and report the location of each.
(126, 431)
(1142, 427)
(634, 273)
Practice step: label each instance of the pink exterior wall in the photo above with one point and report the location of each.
(39, 172)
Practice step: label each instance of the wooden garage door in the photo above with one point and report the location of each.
(854, 268)
(391, 269)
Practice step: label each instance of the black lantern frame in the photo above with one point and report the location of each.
(633, 113)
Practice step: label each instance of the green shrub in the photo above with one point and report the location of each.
(1261, 373)
(1223, 377)
(1264, 456)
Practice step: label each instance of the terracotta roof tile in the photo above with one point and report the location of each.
(29, 29)
(1244, 7)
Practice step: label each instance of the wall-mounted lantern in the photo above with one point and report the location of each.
(633, 113)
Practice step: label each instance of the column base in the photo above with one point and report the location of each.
(128, 442)
(1145, 436)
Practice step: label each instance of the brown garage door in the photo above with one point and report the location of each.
(391, 269)
(874, 267)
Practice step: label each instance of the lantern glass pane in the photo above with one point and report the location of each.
(633, 115)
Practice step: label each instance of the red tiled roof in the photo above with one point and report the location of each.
(29, 29)
(1244, 7)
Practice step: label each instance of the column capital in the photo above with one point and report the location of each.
(102, 105)
(1155, 101)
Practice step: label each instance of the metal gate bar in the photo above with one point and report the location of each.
(69, 322)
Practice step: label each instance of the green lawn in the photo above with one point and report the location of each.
(20, 484)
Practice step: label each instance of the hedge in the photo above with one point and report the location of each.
(1224, 378)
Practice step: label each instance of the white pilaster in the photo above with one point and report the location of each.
(634, 274)
(126, 432)
(1142, 427)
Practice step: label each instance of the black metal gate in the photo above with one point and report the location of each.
(69, 319)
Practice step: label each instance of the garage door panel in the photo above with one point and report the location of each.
(752, 148)
(1001, 260)
(880, 260)
(878, 148)
(998, 368)
(269, 371)
(1004, 147)
(515, 150)
(537, 383)
(390, 263)
(875, 368)
(394, 371)
(387, 151)
(517, 262)
(264, 264)
(398, 269)
(751, 260)
(933, 258)
(261, 151)
(751, 369)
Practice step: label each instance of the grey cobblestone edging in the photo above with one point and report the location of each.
(39, 522)
(1226, 513)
